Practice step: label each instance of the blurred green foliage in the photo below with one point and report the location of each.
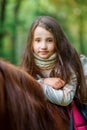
(16, 17)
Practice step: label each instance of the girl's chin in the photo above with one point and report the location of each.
(44, 57)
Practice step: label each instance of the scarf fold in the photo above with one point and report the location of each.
(45, 63)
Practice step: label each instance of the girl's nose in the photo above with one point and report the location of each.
(43, 45)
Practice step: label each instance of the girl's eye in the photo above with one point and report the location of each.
(37, 40)
(50, 40)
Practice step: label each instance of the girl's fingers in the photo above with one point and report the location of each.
(61, 81)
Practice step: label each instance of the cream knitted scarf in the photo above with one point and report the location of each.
(45, 63)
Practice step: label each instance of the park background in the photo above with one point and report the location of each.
(16, 17)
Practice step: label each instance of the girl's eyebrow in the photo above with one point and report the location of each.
(41, 37)
(50, 37)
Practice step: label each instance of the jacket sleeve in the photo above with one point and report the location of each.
(83, 59)
(61, 96)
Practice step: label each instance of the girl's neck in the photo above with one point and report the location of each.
(45, 64)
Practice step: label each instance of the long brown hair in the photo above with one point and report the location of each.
(67, 56)
(23, 105)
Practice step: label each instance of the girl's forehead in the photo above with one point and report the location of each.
(40, 31)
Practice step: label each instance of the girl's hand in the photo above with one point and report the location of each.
(56, 83)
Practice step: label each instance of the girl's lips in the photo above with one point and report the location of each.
(43, 52)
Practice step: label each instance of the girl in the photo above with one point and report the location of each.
(54, 63)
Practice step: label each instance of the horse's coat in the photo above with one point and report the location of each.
(23, 105)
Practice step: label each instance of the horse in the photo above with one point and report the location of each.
(23, 105)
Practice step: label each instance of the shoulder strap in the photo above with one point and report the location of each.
(70, 115)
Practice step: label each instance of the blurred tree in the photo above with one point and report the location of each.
(14, 34)
(2, 20)
(16, 17)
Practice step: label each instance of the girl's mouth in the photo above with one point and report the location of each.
(43, 52)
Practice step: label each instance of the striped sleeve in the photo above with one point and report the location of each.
(61, 96)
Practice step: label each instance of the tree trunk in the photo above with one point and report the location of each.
(2, 19)
(81, 36)
(14, 35)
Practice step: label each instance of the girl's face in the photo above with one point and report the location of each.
(43, 43)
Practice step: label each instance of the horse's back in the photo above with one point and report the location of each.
(60, 116)
(23, 103)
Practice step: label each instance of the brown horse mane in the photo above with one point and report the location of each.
(22, 102)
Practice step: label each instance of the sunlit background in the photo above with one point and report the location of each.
(16, 17)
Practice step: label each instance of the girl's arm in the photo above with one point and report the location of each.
(62, 96)
(55, 83)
